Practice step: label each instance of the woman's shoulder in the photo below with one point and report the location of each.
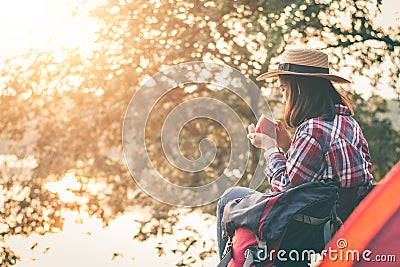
(342, 127)
(316, 127)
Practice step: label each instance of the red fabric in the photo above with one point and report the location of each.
(267, 209)
(372, 222)
(244, 238)
(385, 246)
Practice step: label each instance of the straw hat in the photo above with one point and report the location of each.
(305, 62)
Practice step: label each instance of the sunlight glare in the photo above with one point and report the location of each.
(64, 188)
(45, 25)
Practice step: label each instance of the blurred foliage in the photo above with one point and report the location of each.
(193, 132)
(189, 237)
(383, 139)
(8, 257)
(65, 109)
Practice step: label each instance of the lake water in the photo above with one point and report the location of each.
(84, 242)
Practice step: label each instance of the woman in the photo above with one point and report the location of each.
(328, 143)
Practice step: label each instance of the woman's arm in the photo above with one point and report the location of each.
(303, 163)
(283, 139)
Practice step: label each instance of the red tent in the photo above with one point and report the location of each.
(371, 235)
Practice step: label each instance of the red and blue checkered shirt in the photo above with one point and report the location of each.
(321, 150)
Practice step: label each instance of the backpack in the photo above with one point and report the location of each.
(255, 225)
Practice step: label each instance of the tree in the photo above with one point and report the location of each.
(383, 139)
(66, 109)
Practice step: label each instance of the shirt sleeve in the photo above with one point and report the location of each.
(303, 163)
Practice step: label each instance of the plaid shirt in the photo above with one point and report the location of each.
(321, 150)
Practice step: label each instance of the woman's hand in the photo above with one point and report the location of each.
(282, 137)
(260, 140)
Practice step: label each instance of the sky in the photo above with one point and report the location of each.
(46, 24)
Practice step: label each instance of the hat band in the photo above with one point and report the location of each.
(302, 68)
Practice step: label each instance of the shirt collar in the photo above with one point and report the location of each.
(342, 110)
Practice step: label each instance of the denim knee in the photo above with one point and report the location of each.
(237, 192)
(233, 193)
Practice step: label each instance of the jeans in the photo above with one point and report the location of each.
(229, 194)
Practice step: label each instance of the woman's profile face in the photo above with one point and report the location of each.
(284, 86)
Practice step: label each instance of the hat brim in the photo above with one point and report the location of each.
(273, 74)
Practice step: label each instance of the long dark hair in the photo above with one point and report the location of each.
(311, 97)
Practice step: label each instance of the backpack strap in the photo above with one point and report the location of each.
(227, 255)
(249, 258)
(327, 232)
(309, 219)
